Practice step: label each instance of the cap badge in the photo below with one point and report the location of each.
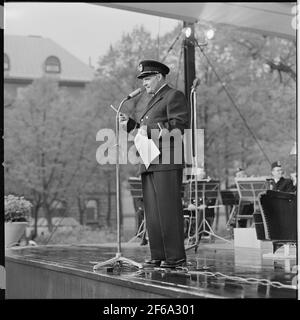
(140, 67)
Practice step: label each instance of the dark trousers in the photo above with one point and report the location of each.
(164, 214)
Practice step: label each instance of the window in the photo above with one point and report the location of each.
(58, 208)
(52, 65)
(6, 62)
(91, 210)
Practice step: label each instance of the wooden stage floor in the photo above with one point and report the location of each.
(216, 270)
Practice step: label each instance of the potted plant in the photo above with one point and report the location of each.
(17, 210)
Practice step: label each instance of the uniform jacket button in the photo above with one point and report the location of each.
(146, 117)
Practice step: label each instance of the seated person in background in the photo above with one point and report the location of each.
(240, 173)
(278, 182)
(201, 174)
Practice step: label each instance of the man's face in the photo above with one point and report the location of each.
(152, 83)
(277, 173)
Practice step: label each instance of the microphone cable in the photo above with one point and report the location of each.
(178, 67)
(171, 46)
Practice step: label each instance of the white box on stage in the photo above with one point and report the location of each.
(246, 238)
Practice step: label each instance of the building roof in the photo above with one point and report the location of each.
(27, 56)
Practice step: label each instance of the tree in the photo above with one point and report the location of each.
(258, 126)
(46, 146)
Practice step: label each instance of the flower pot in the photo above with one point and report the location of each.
(13, 232)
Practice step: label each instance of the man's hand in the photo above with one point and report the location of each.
(294, 178)
(143, 131)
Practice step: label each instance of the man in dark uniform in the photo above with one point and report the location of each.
(166, 112)
(278, 182)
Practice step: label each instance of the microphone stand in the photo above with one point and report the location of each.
(118, 259)
(194, 162)
(204, 222)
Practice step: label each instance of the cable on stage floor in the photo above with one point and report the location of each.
(246, 280)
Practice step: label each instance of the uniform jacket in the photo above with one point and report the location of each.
(166, 110)
(283, 184)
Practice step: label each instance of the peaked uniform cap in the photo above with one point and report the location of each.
(276, 164)
(148, 67)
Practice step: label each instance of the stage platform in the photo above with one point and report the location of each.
(66, 272)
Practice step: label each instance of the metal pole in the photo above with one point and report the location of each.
(189, 59)
(195, 165)
(118, 254)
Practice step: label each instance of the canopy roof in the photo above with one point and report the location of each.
(269, 18)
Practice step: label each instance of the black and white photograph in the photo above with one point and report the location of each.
(149, 155)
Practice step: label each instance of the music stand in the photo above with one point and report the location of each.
(230, 197)
(118, 259)
(249, 188)
(137, 194)
(209, 189)
(204, 222)
(140, 233)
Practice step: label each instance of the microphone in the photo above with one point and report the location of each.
(134, 93)
(196, 83)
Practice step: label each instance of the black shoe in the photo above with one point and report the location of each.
(151, 263)
(173, 264)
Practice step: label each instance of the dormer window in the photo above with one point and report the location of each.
(52, 65)
(6, 62)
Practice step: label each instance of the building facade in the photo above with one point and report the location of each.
(27, 58)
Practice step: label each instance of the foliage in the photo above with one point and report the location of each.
(258, 72)
(50, 146)
(257, 125)
(16, 208)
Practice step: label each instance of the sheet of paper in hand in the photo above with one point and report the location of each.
(147, 149)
